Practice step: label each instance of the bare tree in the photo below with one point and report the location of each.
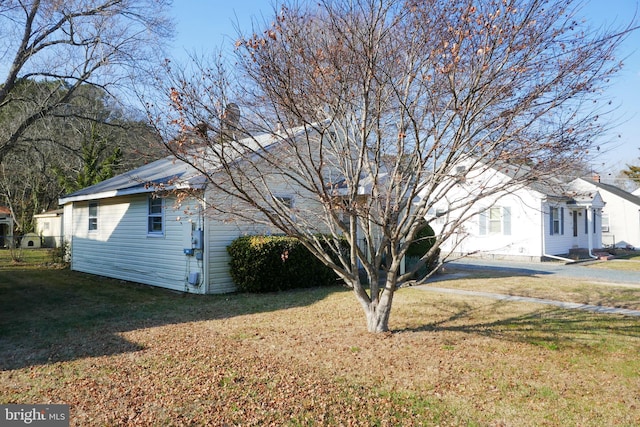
(91, 140)
(361, 110)
(70, 44)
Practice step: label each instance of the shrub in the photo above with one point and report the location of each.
(275, 263)
(422, 243)
(60, 254)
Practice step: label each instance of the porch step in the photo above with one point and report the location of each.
(583, 253)
(603, 256)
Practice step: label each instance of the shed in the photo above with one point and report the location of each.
(49, 228)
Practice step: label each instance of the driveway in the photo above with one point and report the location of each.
(577, 270)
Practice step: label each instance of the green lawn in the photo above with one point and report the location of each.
(126, 354)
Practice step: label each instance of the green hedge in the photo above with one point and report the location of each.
(275, 263)
(423, 241)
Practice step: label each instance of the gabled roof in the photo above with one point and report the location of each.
(145, 179)
(171, 173)
(614, 190)
(546, 185)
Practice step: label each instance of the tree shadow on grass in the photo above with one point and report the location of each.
(48, 316)
(552, 328)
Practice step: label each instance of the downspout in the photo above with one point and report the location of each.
(559, 258)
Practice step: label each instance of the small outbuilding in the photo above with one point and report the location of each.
(30, 241)
(49, 228)
(6, 227)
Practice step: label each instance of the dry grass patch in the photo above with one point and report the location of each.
(628, 264)
(141, 356)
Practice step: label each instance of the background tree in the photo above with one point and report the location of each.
(369, 105)
(633, 173)
(68, 45)
(92, 140)
(62, 66)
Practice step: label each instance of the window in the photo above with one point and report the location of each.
(285, 201)
(604, 221)
(556, 217)
(495, 220)
(440, 215)
(156, 216)
(93, 216)
(586, 221)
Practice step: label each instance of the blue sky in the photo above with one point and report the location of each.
(203, 26)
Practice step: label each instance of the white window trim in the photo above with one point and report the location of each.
(90, 217)
(604, 222)
(161, 215)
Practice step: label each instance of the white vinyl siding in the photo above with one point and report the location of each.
(120, 249)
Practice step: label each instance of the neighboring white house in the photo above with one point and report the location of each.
(6, 227)
(621, 216)
(49, 228)
(531, 223)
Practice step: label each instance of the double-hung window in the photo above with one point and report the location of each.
(285, 201)
(93, 216)
(556, 221)
(155, 224)
(495, 220)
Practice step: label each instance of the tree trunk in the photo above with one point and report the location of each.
(378, 320)
(377, 310)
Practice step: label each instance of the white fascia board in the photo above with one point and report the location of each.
(124, 192)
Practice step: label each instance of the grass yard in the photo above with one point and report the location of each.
(626, 263)
(125, 354)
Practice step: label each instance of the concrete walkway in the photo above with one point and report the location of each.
(578, 270)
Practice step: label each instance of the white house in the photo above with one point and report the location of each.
(133, 227)
(6, 227)
(620, 217)
(520, 222)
